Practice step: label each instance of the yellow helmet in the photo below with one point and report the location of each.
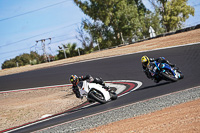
(145, 60)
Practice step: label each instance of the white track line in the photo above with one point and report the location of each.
(100, 59)
(130, 53)
(138, 82)
(36, 88)
(114, 109)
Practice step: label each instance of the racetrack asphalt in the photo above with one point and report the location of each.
(127, 67)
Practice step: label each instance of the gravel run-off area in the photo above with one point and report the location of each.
(131, 119)
(17, 108)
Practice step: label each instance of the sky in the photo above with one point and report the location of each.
(23, 22)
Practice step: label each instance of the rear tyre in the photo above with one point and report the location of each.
(97, 96)
(181, 75)
(113, 96)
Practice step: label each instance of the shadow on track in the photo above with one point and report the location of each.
(81, 108)
(156, 85)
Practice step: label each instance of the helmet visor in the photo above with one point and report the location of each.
(74, 81)
(145, 63)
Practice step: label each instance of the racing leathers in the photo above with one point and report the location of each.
(149, 70)
(75, 88)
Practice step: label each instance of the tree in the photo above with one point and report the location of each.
(70, 51)
(151, 19)
(23, 59)
(173, 12)
(116, 20)
(119, 17)
(35, 56)
(85, 39)
(18, 59)
(8, 64)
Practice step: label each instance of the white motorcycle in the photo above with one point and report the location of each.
(95, 92)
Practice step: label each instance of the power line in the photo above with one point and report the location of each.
(34, 45)
(34, 10)
(63, 40)
(30, 47)
(14, 51)
(37, 35)
(8, 57)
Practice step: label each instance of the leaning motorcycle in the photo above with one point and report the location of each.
(166, 72)
(96, 93)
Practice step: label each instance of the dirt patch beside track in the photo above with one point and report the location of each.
(17, 108)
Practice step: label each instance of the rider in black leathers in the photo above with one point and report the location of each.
(148, 66)
(75, 80)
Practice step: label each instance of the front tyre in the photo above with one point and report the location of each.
(97, 96)
(168, 75)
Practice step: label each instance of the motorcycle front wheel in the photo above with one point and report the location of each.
(168, 75)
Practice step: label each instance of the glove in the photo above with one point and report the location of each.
(88, 76)
(91, 79)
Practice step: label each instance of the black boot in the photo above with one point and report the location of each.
(91, 101)
(157, 80)
(107, 88)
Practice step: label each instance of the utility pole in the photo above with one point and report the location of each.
(122, 38)
(31, 48)
(98, 46)
(78, 52)
(44, 48)
(65, 48)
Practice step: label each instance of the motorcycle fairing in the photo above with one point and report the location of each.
(84, 90)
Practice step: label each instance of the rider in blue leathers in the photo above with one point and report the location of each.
(148, 66)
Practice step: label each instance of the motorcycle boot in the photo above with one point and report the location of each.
(107, 88)
(157, 80)
(91, 101)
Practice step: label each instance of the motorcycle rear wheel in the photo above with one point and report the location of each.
(97, 96)
(113, 96)
(181, 74)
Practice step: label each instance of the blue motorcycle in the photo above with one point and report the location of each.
(166, 72)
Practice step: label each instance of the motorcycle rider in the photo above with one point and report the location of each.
(148, 66)
(75, 80)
